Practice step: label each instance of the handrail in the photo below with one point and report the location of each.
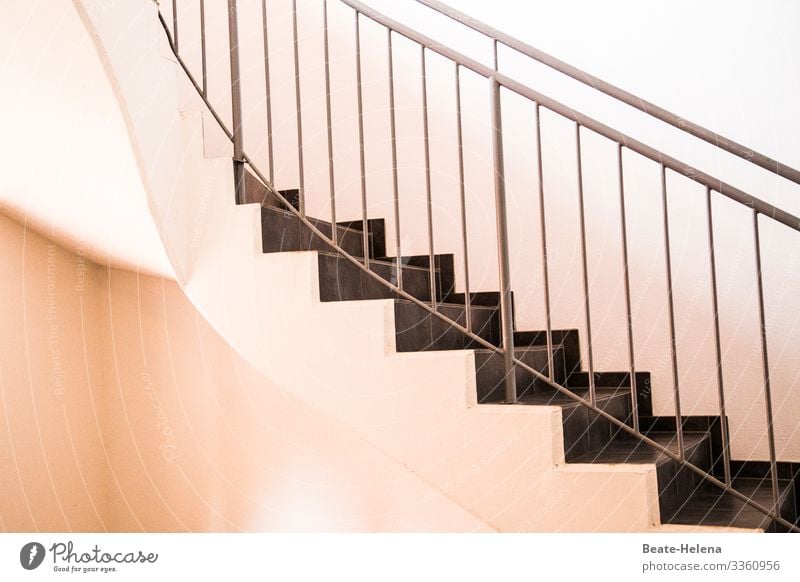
(632, 144)
(630, 99)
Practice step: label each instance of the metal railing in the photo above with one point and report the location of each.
(498, 82)
(715, 139)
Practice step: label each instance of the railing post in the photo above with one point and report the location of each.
(506, 316)
(236, 104)
(426, 149)
(543, 237)
(585, 268)
(673, 340)
(773, 459)
(203, 57)
(361, 160)
(627, 284)
(175, 24)
(331, 181)
(726, 453)
(268, 91)
(297, 99)
(393, 137)
(463, 200)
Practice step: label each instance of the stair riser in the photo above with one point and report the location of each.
(281, 232)
(586, 430)
(568, 339)
(416, 329)
(644, 390)
(376, 231)
(677, 483)
(490, 373)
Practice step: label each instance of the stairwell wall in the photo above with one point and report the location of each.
(123, 410)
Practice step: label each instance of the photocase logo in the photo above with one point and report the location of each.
(31, 555)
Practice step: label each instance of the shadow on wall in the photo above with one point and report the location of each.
(124, 411)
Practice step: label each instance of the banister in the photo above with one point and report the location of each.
(615, 92)
(626, 141)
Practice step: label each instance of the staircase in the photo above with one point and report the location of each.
(684, 497)
(606, 416)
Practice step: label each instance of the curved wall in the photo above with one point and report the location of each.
(68, 167)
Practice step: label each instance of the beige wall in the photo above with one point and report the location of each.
(122, 410)
(52, 381)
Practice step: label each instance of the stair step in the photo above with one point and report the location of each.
(256, 193)
(376, 233)
(676, 483)
(416, 329)
(567, 338)
(282, 231)
(490, 371)
(443, 271)
(710, 505)
(644, 390)
(341, 280)
(485, 298)
(585, 430)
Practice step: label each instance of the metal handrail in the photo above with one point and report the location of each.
(615, 92)
(582, 120)
(506, 349)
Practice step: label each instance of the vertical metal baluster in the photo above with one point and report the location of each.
(268, 91)
(395, 190)
(428, 193)
(236, 103)
(506, 316)
(463, 199)
(175, 24)
(726, 453)
(773, 463)
(301, 173)
(496, 61)
(331, 183)
(626, 277)
(587, 312)
(360, 105)
(543, 231)
(673, 342)
(203, 59)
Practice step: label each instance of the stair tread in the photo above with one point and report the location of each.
(634, 451)
(450, 305)
(710, 505)
(523, 349)
(556, 398)
(316, 221)
(381, 261)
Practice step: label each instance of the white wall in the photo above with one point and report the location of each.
(68, 167)
(728, 67)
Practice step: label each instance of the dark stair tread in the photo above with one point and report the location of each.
(556, 398)
(634, 451)
(383, 261)
(710, 505)
(447, 304)
(484, 298)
